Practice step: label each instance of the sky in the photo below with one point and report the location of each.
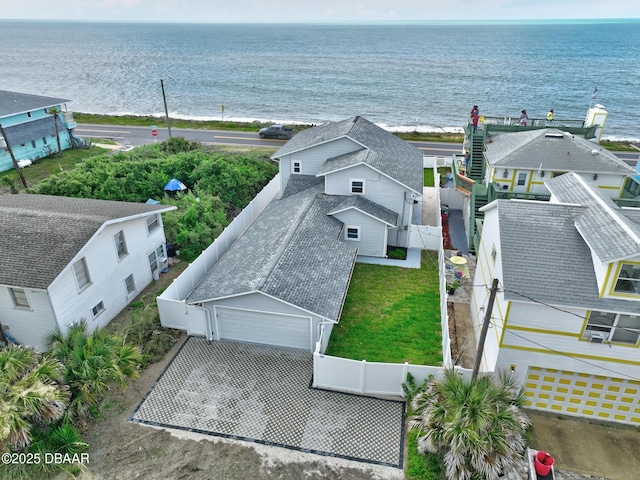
(304, 11)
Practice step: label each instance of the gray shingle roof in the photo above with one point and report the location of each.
(41, 234)
(298, 183)
(12, 103)
(554, 150)
(556, 268)
(367, 206)
(382, 150)
(291, 252)
(610, 233)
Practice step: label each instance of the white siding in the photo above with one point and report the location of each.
(28, 326)
(108, 274)
(313, 158)
(372, 233)
(486, 271)
(379, 189)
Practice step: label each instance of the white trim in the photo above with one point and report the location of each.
(293, 167)
(358, 233)
(364, 213)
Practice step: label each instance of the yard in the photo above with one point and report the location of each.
(392, 315)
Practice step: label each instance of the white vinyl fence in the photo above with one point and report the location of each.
(174, 312)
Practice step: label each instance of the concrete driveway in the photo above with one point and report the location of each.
(262, 394)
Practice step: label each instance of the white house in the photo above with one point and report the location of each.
(566, 319)
(347, 189)
(67, 259)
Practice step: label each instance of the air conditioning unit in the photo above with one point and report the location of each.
(596, 338)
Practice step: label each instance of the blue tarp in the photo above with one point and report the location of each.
(151, 201)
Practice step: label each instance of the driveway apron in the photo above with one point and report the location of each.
(262, 394)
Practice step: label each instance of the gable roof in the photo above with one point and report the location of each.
(381, 150)
(27, 131)
(368, 207)
(12, 103)
(604, 226)
(556, 268)
(290, 252)
(41, 234)
(552, 149)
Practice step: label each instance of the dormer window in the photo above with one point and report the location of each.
(628, 279)
(357, 187)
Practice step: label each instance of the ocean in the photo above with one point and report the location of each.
(409, 76)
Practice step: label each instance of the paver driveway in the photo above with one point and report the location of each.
(262, 394)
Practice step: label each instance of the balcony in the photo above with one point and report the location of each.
(68, 120)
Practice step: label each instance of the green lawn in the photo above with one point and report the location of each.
(392, 315)
(428, 177)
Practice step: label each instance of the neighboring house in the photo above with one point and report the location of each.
(514, 162)
(67, 259)
(567, 316)
(347, 189)
(29, 127)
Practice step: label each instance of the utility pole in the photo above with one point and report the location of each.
(166, 112)
(13, 158)
(485, 328)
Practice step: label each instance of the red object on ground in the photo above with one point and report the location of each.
(543, 463)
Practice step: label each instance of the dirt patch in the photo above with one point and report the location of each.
(453, 336)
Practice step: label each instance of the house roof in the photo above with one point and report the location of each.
(12, 103)
(381, 150)
(367, 206)
(290, 252)
(557, 267)
(552, 150)
(41, 234)
(609, 231)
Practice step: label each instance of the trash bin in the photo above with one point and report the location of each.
(543, 463)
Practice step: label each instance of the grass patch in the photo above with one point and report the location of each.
(391, 314)
(428, 178)
(422, 467)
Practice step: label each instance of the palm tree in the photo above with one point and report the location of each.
(31, 392)
(55, 112)
(93, 362)
(479, 426)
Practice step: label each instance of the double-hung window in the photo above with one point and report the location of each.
(629, 279)
(19, 297)
(152, 222)
(156, 258)
(296, 167)
(121, 244)
(352, 233)
(357, 187)
(82, 273)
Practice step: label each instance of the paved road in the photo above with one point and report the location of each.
(137, 136)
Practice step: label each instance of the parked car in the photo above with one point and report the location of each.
(277, 131)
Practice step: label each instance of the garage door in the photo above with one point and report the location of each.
(263, 327)
(594, 396)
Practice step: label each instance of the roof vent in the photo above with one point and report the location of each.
(356, 118)
(594, 152)
(553, 135)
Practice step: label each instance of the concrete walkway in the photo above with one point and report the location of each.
(262, 394)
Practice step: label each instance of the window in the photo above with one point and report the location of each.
(82, 273)
(98, 309)
(33, 143)
(19, 297)
(44, 140)
(296, 167)
(628, 279)
(522, 179)
(353, 233)
(130, 284)
(28, 114)
(156, 258)
(557, 174)
(152, 223)
(613, 327)
(357, 186)
(121, 245)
